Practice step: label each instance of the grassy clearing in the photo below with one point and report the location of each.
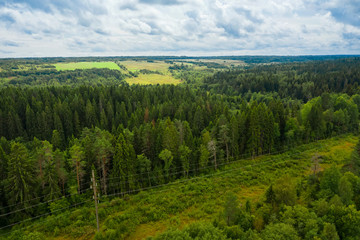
(201, 198)
(228, 63)
(153, 79)
(153, 66)
(205, 197)
(86, 65)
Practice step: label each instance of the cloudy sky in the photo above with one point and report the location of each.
(52, 28)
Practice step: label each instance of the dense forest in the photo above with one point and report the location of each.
(58, 126)
(296, 80)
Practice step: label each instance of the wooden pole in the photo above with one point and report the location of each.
(95, 198)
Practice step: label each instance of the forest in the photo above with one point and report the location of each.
(56, 127)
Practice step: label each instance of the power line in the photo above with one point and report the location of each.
(19, 210)
(71, 187)
(191, 170)
(139, 180)
(194, 178)
(246, 155)
(162, 185)
(42, 215)
(39, 197)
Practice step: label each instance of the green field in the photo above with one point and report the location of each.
(86, 65)
(153, 66)
(150, 79)
(153, 79)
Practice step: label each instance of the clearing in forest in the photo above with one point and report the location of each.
(134, 66)
(153, 79)
(86, 65)
(188, 200)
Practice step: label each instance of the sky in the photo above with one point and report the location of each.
(62, 28)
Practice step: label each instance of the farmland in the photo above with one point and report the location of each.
(133, 66)
(153, 79)
(86, 65)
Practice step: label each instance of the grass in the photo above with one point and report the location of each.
(202, 198)
(134, 66)
(86, 65)
(150, 79)
(225, 62)
(153, 79)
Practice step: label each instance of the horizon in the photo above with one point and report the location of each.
(186, 56)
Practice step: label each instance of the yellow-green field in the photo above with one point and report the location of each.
(86, 65)
(153, 79)
(226, 62)
(153, 66)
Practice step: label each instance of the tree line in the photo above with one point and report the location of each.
(302, 81)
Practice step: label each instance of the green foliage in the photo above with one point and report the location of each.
(345, 191)
(329, 183)
(201, 231)
(306, 223)
(329, 232)
(231, 209)
(285, 191)
(20, 184)
(57, 206)
(34, 236)
(279, 231)
(166, 156)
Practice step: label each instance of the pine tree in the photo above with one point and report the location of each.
(21, 180)
(61, 172)
(185, 152)
(90, 114)
(123, 170)
(171, 138)
(77, 158)
(231, 208)
(166, 156)
(212, 150)
(50, 175)
(104, 151)
(3, 175)
(234, 137)
(224, 139)
(204, 157)
(144, 167)
(254, 131)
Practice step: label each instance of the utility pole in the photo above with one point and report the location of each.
(95, 198)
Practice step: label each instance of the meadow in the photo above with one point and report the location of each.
(133, 66)
(86, 65)
(153, 79)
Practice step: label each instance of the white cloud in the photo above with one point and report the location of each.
(177, 27)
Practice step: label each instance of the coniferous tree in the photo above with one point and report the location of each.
(104, 151)
(59, 160)
(21, 181)
(144, 167)
(224, 138)
(204, 157)
(185, 152)
(212, 150)
(50, 175)
(166, 156)
(77, 159)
